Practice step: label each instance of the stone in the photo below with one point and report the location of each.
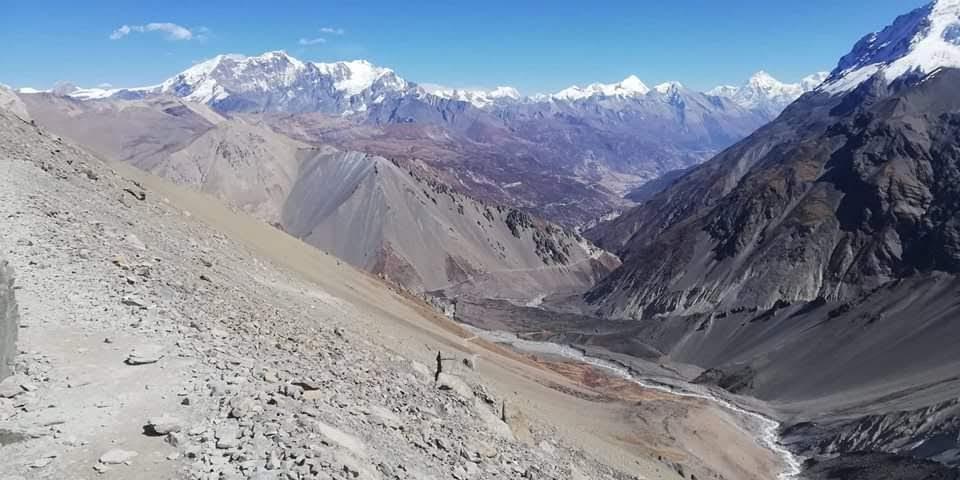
(472, 362)
(293, 391)
(133, 301)
(136, 192)
(145, 356)
(10, 389)
(117, 456)
(228, 436)
(164, 424)
(44, 461)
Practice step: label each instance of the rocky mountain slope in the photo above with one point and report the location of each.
(838, 196)
(387, 218)
(590, 144)
(815, 263)
(10, 101)
(205, 344)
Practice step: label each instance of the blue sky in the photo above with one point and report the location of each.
(536, 46)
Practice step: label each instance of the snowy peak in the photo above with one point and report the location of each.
(668, 88)
(726, 91)
(765, 93)
(631, 85)
(763, 80)
(276, 81)
(215, 79)
(628, 87)
(356, 76)
(478, 97)
(919, 42)
(813, 81)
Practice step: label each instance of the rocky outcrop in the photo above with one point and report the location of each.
(9, 320)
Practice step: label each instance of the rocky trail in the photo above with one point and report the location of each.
(154, 346)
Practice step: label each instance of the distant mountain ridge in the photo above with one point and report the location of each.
(570, 157)
(388, 218)
(277, 81)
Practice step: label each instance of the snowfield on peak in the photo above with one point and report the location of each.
(765, 93)
(477, 97)
(668, 87)
(355, 76)
(920, 42)
(277, 82)
(628, 87)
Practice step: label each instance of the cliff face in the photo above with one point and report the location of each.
(8, 320)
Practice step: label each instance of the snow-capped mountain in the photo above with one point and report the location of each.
(764, 93)
(761, 93)
(628, 87)
(920, 42)
(668, 88)
(271, 82)
(275, 81)
(278, 82)
(476, 97)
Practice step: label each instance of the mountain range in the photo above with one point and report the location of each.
(278, 82)
(576, 153)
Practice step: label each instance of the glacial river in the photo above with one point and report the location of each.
(768, 428)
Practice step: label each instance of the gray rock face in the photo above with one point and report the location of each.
(838, 196)
(929, 432)
(9, 320)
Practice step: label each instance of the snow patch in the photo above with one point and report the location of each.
(628, 87)
(919, 42)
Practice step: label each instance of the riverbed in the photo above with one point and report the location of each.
(765, 428)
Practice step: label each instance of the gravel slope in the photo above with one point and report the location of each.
(146, 330)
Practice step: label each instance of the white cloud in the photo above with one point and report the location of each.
(332, 31)
(312, 41)
(171, 30)
(105, 85)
